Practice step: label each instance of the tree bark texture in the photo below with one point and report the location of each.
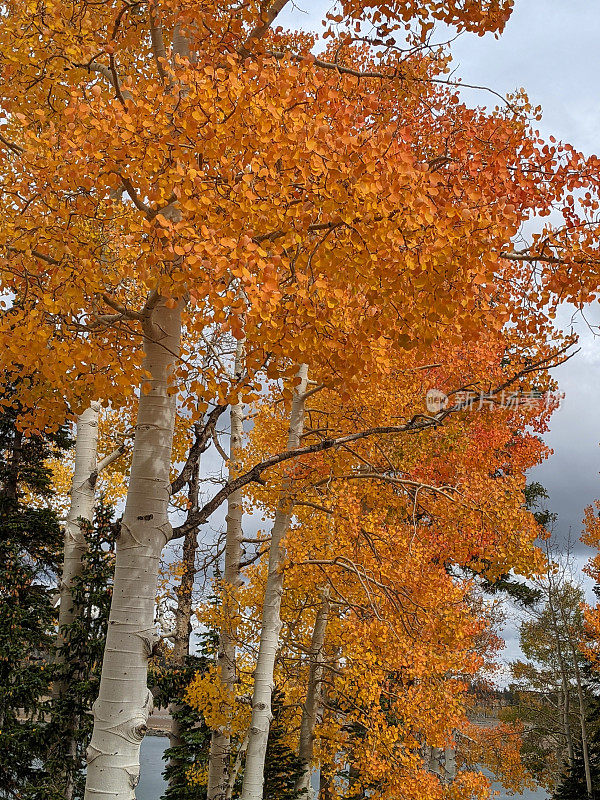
(219, 765)
(124, 702)
(252, 788)
(81, 508)
(313, 703)
(75, 547)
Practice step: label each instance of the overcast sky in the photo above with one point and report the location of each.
(550, 48)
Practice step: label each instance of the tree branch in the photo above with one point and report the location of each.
(16, 148)
(419, 422)
(201, 443)
(35, 254)
(120, 308)
(135, 198)
(267, 19)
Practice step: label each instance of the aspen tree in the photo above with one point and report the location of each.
(220, 745)
(81, 509)
(124, 701)
(251, 158)
(312, 703)
(86, 470)
(271, 622)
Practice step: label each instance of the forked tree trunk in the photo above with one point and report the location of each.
(75, 546)
(313, 703)
(252, 788)
(124, 702)
(219, 764)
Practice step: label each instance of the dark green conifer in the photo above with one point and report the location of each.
(30, 547)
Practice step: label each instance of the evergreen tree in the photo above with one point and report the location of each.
(30, 542)
(169, 687)
(571, 784)
(80, 671)
(282, 766)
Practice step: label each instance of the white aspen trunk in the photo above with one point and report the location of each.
(258, 736)
(312, 706)
(236, 768)
(219, 764)
(584, 736)
(75, 546)
(450, 764)
(82, 507)
(124, 702)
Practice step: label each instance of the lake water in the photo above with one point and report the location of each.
(151, 783)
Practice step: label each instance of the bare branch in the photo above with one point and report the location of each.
(107, 461)
(202, 440)
(217, 444)
(416, 424)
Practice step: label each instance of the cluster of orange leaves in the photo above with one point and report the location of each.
(409, 629)
(319, 214)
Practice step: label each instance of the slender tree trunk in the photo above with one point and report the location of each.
(584, 737)
(235, 770)
(312, 706)
(75, 546)
(219, 764)
(124, 702)
(564, 681)
(183, 612)
(81, 508)
(252, 788)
